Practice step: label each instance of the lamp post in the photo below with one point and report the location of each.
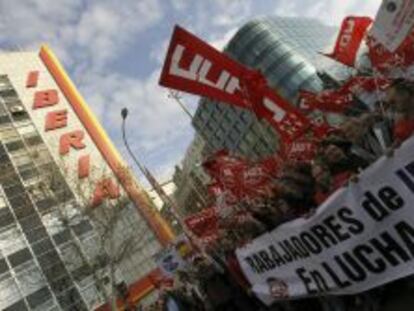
(124, 114)
(167, 200)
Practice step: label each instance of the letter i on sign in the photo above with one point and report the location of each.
(32, 79)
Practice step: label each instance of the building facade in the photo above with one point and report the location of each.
(285, 50)
(55, 160)
(191, 180)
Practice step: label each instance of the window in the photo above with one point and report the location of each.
(62, 237)
(45, 205)
(30, 279)
(3, 266)
(20, 257)
(91, 296)
(49, 259)
(26, 130)
(42, 246)
(83, 227)
(33, 139)
(71, 257)
(36, 235)
(53, 222)
(39, 297)
(27, 171)
(31, 222)
(68, 298)
(61, 284)
(6, 218)
(4, 119)
(11, 241)
(14, 145)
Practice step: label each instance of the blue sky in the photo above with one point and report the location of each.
(113, 50)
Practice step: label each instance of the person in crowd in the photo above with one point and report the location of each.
(400, 102)
(216, 287)
(297, 187)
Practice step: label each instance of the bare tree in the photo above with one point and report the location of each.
(111, 248)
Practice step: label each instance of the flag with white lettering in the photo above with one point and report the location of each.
(193, 66)
(352, 32)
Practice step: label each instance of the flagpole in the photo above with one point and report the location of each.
(188, 113)
(166, 199)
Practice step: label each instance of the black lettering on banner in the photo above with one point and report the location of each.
(391, 198)
(299, 245)
(319, 281)
(390, 249)
(336, 228)
(267, 260)
(252, 264)
(404, 176)
(288, 257)
(355, 226)
(292, 250)
(260, 265)
(339, 283)
(374, 208)
(306, 281)
(323, 235)
(376, 265)
(406, 233)
(277, 258)
(311, 243)
(351, 267)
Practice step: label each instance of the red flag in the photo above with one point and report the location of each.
(302, 150)
(352, 32)
(330, 100)
(204, 221)
(361, 84)
(387, 62)
(195, 67)
(288, 120)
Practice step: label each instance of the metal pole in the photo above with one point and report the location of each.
(167, 200)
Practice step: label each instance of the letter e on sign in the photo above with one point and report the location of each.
(56, 119)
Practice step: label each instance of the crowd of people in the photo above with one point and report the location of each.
(339, 157)
(217, 282)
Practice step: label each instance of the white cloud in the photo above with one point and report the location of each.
(91, 32)
(328, 11)
(180, 5)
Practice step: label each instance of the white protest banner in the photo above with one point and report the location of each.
(360, 238)
(393, 23)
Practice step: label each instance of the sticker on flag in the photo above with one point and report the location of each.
(393, 23)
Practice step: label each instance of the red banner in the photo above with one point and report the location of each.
(203, 222)
(386, 62)
(336, 101)
(193, 66)
(352, 32)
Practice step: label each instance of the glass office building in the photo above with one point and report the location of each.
(44, 173)
(285, 50)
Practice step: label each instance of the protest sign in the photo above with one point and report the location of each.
(360, 238)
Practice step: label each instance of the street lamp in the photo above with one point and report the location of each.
(124, 115)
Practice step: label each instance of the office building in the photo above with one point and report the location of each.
(55, 161)
(285, 50)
